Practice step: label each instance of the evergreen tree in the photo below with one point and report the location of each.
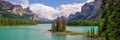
(110, 19)
(59, 25)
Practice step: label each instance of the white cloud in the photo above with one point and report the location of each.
(49, 12)
(90, 1)
(68, 9)
(43, 10)
(25, 3)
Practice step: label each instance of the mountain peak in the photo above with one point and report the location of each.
(27, 9)
(88, 11)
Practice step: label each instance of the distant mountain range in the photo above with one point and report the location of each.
(88, 11)
(44, 20)
(16, 11)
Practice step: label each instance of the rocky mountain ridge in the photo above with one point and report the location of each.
(31, 14)
(88, 11)
(17, 10)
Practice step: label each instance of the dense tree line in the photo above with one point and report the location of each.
(110, 20)
(83, 23)
(11, 21)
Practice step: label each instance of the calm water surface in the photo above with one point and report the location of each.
(39, 32)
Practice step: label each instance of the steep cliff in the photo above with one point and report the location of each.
(5, 5)
(30, 14)
(96, 9)
(88, 11)
(16, 9)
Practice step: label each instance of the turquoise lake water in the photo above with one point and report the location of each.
(39, 32)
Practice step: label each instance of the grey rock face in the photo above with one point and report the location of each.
(16, 9)
(31, 15)
(96, 10)
(88, 11)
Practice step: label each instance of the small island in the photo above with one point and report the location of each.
(59, 27)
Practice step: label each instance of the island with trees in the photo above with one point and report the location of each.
(59, 27)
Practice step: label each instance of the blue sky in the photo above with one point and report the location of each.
(56, 3)
(52, 8)
(52, 3)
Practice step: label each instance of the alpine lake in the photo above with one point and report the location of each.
(40, 32)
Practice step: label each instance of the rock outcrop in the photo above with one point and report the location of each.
(16, 9)
(5, 5)
(31, 14)
(88, 11)
(96, 10)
